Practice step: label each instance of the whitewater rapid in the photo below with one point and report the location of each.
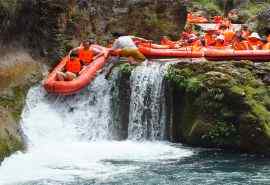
(69, 138)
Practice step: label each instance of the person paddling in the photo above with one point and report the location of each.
(72, 68)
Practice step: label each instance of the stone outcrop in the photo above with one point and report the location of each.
(18, 72)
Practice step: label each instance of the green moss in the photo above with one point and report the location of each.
(183, 79)
(225, 105)
(15, 102)
(7, 147)
(126, 68)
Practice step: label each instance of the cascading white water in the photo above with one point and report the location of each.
(69, 138)
(147, 107)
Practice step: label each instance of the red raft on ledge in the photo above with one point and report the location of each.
(178, 53)
(51, 84)
(230, 54)
(208, 53)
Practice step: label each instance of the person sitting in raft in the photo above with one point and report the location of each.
(124, 46)
(266, 46)
(239, 43)
(245, 32)
(72, 68)
(229, 35)
(209, 37)
(220, 42)
(86, 54)
(195, 43)
(255, 42)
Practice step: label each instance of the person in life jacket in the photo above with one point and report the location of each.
(266, 46)
(228, 37)
(239, 43)
(124, 46)
(209, 37)
(195, 43)
(227, 23)
(217, 19)
(72, 68)
(86, 54)
(220, 42)
(255, 42)
(245, 32)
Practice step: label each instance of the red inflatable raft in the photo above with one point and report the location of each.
(209, 53)
(181, 53)
(229, 54)
(87, 75)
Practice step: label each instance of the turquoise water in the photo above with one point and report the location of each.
(204, 167)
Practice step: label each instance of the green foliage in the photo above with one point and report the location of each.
(126, 68)
(222, 134)
(211, 7)
(183, 79)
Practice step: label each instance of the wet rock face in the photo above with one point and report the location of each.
(146, 18)
(53, 27)
(18, 72)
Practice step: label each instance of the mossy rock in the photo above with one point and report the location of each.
(228, 106)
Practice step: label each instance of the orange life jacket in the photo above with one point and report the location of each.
(219, 45)
(268, 38)
(217, 19)
(196, 45)
(243, 45)
(228, 36)
(266, 46)
(256, 44)
(73, 65)
(209, 40)
(86, 56)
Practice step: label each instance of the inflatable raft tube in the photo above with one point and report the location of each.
(253, 55)
(87, 75)
(177, 53)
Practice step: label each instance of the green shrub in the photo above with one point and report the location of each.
(221, 134)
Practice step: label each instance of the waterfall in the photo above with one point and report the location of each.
(70, 139)
(147, 116)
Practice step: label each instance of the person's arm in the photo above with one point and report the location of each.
(98, 55)
(74, 49)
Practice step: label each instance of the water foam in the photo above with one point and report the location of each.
(69, 138)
